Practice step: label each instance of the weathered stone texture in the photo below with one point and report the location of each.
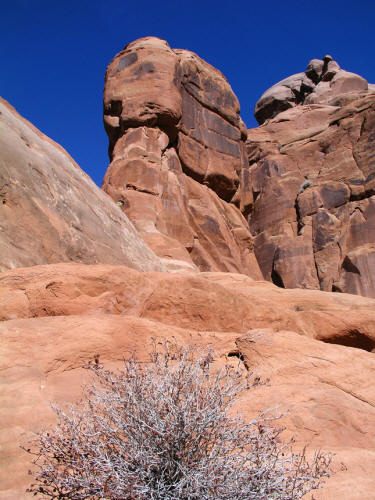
(323, 82)
(178, 157)
(181, 170)
(51, 211)
(313, 347)
(312, 174)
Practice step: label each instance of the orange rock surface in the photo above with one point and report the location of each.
(79, 282)
(56, 318)
(316, 162)
(313, 180)
(177, 149)
(51, 211)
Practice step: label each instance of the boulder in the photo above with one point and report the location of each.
(323, 82)
(283, 95)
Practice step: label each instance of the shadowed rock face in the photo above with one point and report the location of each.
(177, 146)
(313, 179)
(51, 211)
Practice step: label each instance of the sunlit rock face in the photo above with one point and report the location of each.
(51, 211)
(312, 175)
(178, 157)
(179, 169)
(323, 82)
(313, 348)
(302, 202)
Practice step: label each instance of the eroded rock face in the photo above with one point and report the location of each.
(51, 211)
(323, 82)
(56, 318)
(313, 179)
(177, 142)
(177, 146)
(179, 171)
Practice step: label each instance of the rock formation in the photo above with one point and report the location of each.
(323, 82)
(51, 211)
(314, 347)
(177, 146)
(313, 180)
(178, 169)
(302, 206)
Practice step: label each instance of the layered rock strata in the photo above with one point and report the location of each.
(51, 211)
(178, 169)
(178, 158)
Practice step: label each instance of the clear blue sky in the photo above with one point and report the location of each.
(54, 53)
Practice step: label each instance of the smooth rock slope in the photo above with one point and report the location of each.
(314, 348)
(51, 211)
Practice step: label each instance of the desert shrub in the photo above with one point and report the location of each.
(161, 430)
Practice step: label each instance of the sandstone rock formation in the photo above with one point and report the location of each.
(323, 82)
(177, 146)
(178, 169)
(312, 175)
(51, 211)
(302, 205)
(55, 318)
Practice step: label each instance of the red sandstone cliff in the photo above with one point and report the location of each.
(313, 179)
(306, 187)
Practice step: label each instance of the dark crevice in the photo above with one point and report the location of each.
(300, 224)
(349, 266)
(277, 279)
(362, 196)
(302, 94)
(132, 187)
(236, 354)
(325, 67)
(353, 338)
(317, 271)
(363, 125)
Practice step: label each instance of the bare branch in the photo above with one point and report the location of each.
(161, 430)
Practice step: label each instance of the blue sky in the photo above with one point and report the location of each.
(54, 54)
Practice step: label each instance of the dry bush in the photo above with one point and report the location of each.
(161, 430)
